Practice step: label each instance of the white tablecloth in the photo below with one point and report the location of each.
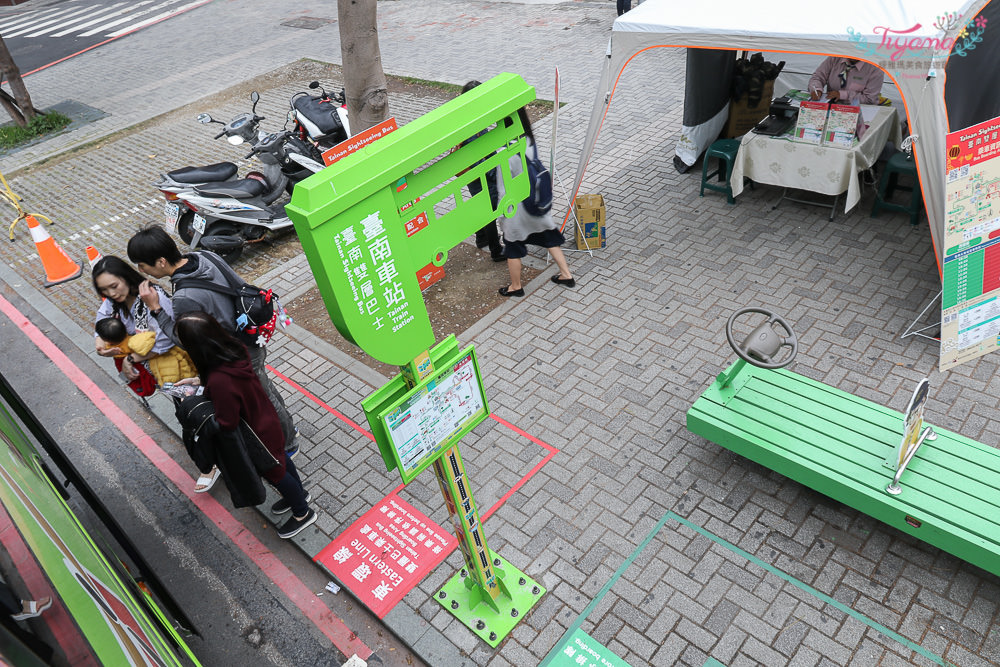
(828, 170)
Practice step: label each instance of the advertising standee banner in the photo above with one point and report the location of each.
(970, 298)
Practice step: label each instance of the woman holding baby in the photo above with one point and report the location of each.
(121, 327)
(118, 283)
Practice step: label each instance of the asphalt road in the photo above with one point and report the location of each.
(241, 615)
(39, 34)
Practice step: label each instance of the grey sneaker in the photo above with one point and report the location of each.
(295, 526)
(283, 505)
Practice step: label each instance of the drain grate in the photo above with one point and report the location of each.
(307, 22)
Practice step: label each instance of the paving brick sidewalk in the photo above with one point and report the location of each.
(708, 554)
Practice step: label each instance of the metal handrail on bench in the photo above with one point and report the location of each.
(895, 489)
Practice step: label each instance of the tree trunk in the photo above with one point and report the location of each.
(364, 80)
(20, 109)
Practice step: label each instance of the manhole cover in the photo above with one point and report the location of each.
(307, 22)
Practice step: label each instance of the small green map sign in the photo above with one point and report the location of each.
(582, 650)
(414, 426)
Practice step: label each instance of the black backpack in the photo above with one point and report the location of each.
(539, 201)
(255, 317)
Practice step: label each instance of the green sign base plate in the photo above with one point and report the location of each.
(460, 597)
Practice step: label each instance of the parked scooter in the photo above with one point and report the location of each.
(320, 119)
(209, 208)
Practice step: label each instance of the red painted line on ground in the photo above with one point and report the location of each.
(318, 401)
(499, 503)
(60, 623)
(517, 486)
(307, 602)
(521, 431)
(126, 34)
(552, 450)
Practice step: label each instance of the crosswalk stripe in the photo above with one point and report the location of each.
(22, 21)
(127, 18)
(20, 31)
(81, 18)
(126, 10)
(156, 18)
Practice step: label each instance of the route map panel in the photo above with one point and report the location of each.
(429, 420)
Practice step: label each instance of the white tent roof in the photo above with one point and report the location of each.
(799, 26)
(852, 28)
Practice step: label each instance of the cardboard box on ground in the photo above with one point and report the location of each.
(742, 116)
(591, 214)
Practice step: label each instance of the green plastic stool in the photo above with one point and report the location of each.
(900, 163)
(724, 150)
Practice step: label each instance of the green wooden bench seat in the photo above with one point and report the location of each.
(837, 443)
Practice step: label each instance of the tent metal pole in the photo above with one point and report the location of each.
(910, 331)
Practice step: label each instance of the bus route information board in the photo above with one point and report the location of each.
(435, 415)
(970, 299)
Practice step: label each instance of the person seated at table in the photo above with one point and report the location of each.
(846, 80)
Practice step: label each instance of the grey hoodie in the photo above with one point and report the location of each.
(186, 299)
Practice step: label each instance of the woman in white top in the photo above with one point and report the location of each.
(118, 283)
(524, 229)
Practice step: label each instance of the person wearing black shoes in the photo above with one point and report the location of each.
(224, 370)
(524, 229)
(156, 254)
(487, 237)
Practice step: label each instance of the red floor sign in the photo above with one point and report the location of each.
(385, 553)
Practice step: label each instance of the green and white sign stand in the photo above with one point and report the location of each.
(368, 225)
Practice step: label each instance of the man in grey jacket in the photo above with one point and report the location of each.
(156, 255)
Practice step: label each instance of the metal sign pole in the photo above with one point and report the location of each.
(371, 227)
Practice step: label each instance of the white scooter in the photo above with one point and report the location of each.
(209, 208)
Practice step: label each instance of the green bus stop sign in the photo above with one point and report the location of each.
(372, 221)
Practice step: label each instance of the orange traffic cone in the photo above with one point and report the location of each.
(58, 266)
(93, 256)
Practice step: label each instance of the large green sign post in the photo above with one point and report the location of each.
(369, 224)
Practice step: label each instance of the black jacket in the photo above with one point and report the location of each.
(240, 454)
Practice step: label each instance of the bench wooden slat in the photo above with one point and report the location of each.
(836, 443)
(971, 481)
(781, 425)
(987, 458)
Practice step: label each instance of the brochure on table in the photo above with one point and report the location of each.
(828, 124)
(797, 97)
(812, 120)
(842, 125)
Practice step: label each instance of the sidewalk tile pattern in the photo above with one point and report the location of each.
(604, 372)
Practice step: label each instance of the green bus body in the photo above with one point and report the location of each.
(114, 622)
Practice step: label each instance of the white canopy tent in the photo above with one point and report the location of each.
(871, 31)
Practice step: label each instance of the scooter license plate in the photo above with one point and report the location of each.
(172, 212)
(198, 224)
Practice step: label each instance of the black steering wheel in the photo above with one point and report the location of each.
(763, 343)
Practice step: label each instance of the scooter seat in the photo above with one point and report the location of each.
(221, 171)
(243, 188)
(323, 113)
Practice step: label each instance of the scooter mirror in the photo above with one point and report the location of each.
(314, 85)
(235, 139)
(203, 118)
(254, 97)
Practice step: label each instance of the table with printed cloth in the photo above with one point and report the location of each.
(825, 169)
